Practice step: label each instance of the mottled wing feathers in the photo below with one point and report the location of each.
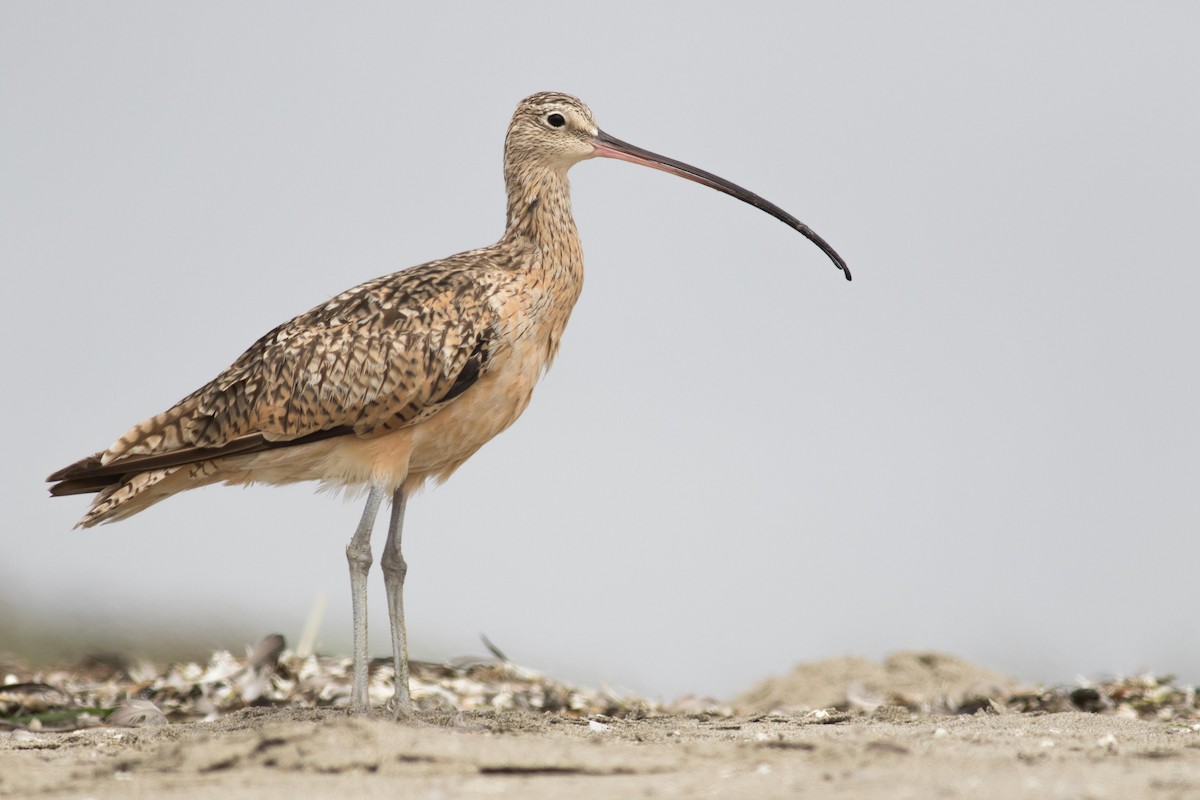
(471, 370)
(378, 357)
(352, 373)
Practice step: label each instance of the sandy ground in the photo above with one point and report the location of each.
(875, 749)
(276, 753)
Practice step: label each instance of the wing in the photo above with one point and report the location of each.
(371, 361)
(381, 356)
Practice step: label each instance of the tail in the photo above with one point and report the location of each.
(139, 469)
(123, 497)
(150, 463)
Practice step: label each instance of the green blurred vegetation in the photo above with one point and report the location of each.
(34, 636)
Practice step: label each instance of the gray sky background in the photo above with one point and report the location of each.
(987, 443)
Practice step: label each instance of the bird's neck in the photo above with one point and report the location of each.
(539, 219)
(539, 210)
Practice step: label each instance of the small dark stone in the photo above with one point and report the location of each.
(1087, 699)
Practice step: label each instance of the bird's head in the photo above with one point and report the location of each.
(551, 129)
(551, 132)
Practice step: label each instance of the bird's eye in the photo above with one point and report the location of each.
(556, 120)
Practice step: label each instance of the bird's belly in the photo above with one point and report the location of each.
(441, 443)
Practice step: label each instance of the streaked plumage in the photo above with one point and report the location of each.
(398, 380)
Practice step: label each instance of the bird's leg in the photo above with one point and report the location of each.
(394, 570)
(358, 553)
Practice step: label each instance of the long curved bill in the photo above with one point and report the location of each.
(612, 147)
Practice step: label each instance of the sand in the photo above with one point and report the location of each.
(282, 753)
(870, 748)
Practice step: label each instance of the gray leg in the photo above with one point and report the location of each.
(358, 553)
(394, 570)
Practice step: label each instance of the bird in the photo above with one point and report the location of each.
(397, 381)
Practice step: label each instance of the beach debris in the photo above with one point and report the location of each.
(142, 693)
(121, 692)
(136, 713)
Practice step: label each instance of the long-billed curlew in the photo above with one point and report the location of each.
(398, 380)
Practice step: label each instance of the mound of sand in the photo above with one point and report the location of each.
(919, 681)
